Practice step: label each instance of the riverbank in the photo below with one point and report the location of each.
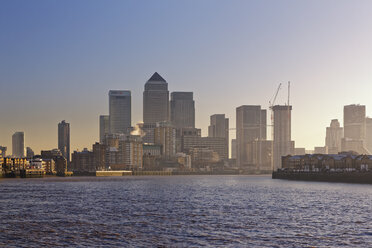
(339, 177)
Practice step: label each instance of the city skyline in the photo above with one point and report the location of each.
(53, 76)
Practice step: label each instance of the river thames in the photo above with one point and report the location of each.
(183, 211)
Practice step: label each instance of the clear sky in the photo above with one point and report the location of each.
(59, 59)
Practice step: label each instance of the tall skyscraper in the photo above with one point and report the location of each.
(182, 107)
(250, 126)
(18, 144)
(64, 139)
(104, 127)
(155, 100)
(120, 111)
(354, 129)
(282, 143)
(334, 134)
(219, 127)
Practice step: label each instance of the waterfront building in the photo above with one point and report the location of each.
(131, 151)
(99, 156)
(250, 126)
(120, 111)
(155, 105)
(18, 144)
(50, 154)
(64, 139)
(183, 132)
(104, 127)
(83, 161)
(61, 165)
(282, 143)
(219, 127)
(182, 110)
(152, 150)
(184, 160)
(334, 134)
(165, 135)
(260, 154)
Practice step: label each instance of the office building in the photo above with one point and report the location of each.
(250, 126)
(104, 127)
(282, 143)
(29, 153)
(18, 145)
(120, 111)
(182, 107)
(64, 139)
(233, 148)
(165, 135)
(368, 143)
(216, 144)
(219, 127)
(334, 134)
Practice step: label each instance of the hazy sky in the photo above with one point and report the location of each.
(59, 59)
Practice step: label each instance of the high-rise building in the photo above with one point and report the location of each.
(64, 139)
(219, 127)
(216, 144)
(104, 127)
(120, 111)
(3, 151)
(165, 135)
(155, 100)
(354, 129)
(182, 108)
(334, 134)
(282, 143)
(369, 135)
(233, 148)
(18, 144)
(29, 153)
(250, 126)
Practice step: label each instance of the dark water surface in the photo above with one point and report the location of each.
(183, 211)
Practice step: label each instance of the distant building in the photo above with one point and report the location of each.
(29, 153)
(300, 151)
(83, 161)
(219, 127)
(104, 127)
(155, 105)
(334, 134)
(182, 109)
(64, 139)
(368, 142)
(50, 154)
(216, 144)
(250, 126)
(99, 156)
(283, 145)
(354, 129)
(3, 151)
(183, 132)
(321, 150)
(18, 144)
(120, 111)
(165, 135)
(260, 154)
(233, 148)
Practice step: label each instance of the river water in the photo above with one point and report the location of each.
(183, 211)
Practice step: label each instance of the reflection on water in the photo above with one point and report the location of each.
(183, 211)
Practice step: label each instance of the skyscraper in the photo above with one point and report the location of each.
(18, 144)
(219, 127)
(282, 143)
(104, 127)
(182, 107)
(64, 139)
(120, 111)
(334, 134)
(250, 126)
(155, 100)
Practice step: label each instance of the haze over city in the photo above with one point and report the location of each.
(59, 59)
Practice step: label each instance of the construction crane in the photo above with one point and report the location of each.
(271, 105)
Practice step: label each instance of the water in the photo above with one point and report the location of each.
(183, 211)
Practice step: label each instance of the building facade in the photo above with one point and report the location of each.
(282, 143)
(104, 127)
(64, 139)
(120, 111)
(334, 135)
(18, 144)
(182, 109)
(219, 127)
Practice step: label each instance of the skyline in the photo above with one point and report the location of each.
(56, 66)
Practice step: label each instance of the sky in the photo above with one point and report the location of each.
(59, 59)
